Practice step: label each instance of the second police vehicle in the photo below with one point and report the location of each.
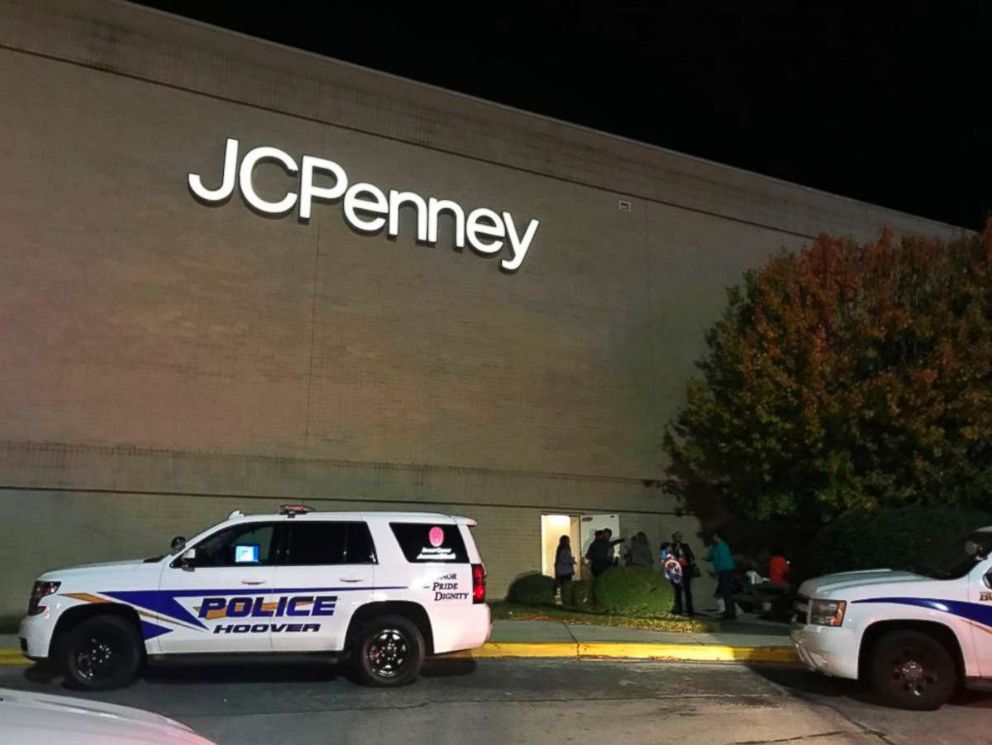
(914, 637)
(384, 589)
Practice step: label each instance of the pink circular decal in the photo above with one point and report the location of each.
(436, 536)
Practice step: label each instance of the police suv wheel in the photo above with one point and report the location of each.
(389, 651)
(101, 653)
(912, 670)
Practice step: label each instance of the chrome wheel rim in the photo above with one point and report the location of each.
(913, 672)
(388, 653)
(96, 658)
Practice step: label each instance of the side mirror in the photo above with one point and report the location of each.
(188, 559)
(177, 543)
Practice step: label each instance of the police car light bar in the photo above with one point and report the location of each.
(294, 509)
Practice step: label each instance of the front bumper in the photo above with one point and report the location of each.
(36, 635)
(828, 650)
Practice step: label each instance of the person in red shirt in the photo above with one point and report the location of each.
(778, 568)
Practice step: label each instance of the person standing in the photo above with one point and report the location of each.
(723, 564)
(687, 560)
(618, 548)
(564, 563)
(640, 552)
(778, 568)
(600, 552)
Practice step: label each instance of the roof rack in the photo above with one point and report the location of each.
(292, 510)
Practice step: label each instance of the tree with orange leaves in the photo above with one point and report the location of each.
(846, 376)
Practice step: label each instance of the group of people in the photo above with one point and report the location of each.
(678, 562)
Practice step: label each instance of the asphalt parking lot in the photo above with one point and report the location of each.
(531, 701)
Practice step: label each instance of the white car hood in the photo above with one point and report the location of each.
(28, 718)
(845, 584)
(130, 564)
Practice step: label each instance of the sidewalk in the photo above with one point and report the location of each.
(743, 640)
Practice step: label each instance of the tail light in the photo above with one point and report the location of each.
(478, 583)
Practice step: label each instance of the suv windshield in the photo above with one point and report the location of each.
(952, 560)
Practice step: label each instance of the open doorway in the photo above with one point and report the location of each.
(553, 527)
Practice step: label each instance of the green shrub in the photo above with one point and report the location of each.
(578, 594)
(531, 589)
(908, 538)
(633, 591)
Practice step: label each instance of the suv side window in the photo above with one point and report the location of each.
(427, 542)
(361, 549)
(240, 545)
(313, 543)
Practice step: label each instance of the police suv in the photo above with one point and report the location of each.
(914, 637)
(384, 589)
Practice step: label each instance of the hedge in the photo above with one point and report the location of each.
(578, 594)
(904, 538)
(531, 589)
(633, 591)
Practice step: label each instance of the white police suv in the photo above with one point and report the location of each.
(384, 589)
(914, 637)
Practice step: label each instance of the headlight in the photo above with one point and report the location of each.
(827, 612)
(39, 591)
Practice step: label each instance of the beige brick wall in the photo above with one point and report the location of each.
(139, 499)
(162, 362)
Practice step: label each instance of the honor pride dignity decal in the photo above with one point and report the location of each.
(367, 208)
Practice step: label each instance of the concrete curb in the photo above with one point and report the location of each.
(586, 651)
(10, 657)
(635, 651)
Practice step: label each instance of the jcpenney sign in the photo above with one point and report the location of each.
(367, 208)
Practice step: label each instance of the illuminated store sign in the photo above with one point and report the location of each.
(367, 208)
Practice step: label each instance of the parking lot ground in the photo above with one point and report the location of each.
(745, 641)
(531, 701)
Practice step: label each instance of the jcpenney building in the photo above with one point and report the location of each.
(234, 275)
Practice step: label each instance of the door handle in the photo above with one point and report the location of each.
(253, 581)
(351, 580)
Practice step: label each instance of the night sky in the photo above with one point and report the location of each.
(881, 101)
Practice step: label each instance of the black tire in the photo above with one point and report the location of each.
(912, 670)
(388, 651)
(100, 653)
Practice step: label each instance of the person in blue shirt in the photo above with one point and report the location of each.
(723, 564)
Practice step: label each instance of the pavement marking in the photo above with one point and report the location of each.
(523, 649)
(688, 652)
(636, 651)
(12, 657)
